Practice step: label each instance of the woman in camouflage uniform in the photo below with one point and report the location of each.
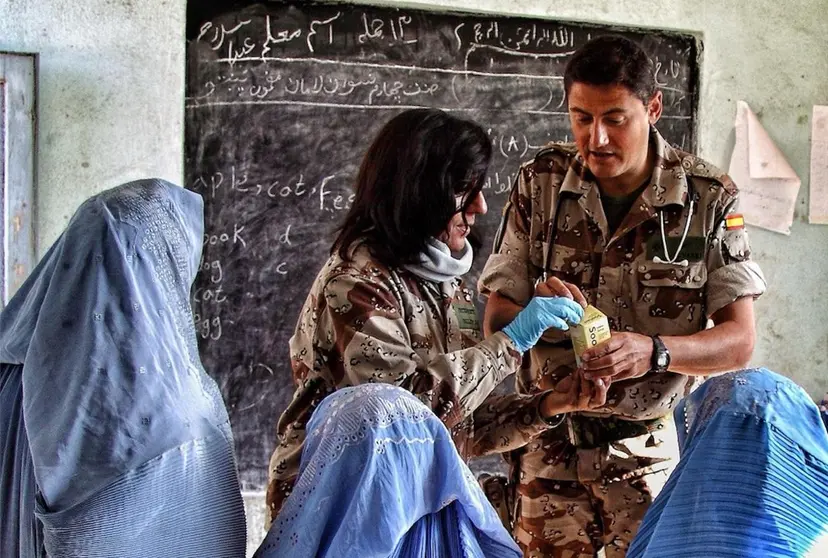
(389, 305)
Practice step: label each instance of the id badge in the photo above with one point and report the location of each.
(466, 316)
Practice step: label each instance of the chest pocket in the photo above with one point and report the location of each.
(662, 274)
(573, 265)
(671, 297)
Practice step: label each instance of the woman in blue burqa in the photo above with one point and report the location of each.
(381, 478)
(753, 476)
(115, 442)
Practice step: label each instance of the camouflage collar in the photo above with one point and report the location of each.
(668, 181)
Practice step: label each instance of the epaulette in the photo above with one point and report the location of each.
(699, 168)
(557, 148)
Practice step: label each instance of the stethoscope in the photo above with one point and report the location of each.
(673, 260)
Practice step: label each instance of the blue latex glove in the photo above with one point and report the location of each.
(539, 315)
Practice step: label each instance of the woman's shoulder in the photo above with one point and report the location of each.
(361, 269)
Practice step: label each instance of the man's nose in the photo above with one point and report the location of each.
(598, 137)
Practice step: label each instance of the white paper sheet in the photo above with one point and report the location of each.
(767, 184)
(818, 196)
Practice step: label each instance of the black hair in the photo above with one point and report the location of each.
(612, 60)
(407, 184)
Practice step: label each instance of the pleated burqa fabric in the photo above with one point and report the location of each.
(752, 480)
(130, 448)
(381, 478)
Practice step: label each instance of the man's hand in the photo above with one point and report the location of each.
(624, 356)
(575, 393)
(555, 287)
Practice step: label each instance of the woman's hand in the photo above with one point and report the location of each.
(575, 393)
(539, 315)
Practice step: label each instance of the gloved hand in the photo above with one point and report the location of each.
(540, 314)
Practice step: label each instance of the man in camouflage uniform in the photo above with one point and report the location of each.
(592, 214)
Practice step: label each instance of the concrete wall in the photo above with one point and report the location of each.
(111, 96)
(110, 99)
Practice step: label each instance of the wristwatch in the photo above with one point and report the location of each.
(661, 356)
(555, 420)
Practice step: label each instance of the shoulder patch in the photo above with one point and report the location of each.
(734, 221)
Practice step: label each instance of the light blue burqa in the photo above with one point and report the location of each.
(130, 449)
(381, 478)
(753, 476)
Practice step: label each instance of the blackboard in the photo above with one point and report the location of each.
(282, 101)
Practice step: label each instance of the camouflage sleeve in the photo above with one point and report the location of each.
(373, 344)
(506, 422)
(731, 274)
(508, 270)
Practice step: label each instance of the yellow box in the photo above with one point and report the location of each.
(593, 330)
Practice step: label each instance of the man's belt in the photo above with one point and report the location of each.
(586, 432)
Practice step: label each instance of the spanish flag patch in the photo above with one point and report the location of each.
(734, 222)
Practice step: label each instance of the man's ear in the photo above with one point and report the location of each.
(654, 107)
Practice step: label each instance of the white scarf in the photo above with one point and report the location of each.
(437, 264)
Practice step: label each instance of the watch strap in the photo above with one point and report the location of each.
(659, 350)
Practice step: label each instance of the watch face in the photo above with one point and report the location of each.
(661, 360)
